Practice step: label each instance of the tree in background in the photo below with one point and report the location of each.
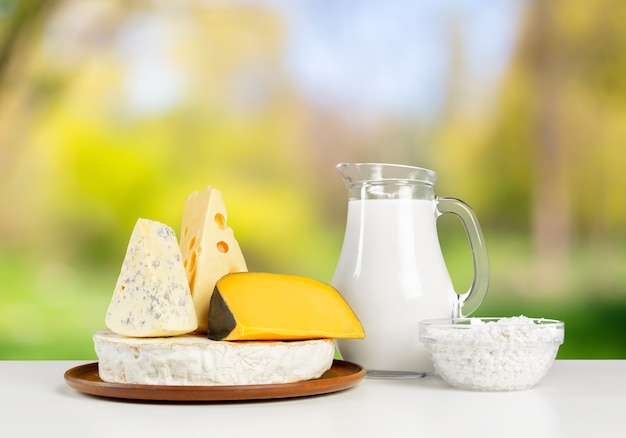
(546, 159)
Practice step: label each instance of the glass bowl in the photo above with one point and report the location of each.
(492, 354)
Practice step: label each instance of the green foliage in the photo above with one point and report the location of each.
(50, 312)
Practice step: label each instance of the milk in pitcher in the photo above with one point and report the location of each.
(392, 264)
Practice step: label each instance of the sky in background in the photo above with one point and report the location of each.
(394, 56)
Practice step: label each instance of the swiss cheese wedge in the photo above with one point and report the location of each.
(264, 306)
(208, 247)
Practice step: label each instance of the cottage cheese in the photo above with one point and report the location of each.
(493, 354)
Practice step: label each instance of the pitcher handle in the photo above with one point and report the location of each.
(469, 301)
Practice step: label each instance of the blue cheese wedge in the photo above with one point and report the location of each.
(152, 296)
(196, 360)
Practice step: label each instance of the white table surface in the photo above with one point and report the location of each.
(575, 399)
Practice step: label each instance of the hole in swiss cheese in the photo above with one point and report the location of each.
(222, 246)
(220, 220)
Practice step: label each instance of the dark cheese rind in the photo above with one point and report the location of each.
(221, 320)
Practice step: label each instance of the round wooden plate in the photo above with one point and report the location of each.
(340, 376)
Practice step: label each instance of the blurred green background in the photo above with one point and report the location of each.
(113, 110)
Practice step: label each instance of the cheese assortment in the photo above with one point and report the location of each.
(151, 297)
(196, 360)
(187, 312)
(208, 247)
(255, 305)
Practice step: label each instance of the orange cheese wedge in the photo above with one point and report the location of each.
(264, 306)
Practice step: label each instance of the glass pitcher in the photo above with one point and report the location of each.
(391, 269)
